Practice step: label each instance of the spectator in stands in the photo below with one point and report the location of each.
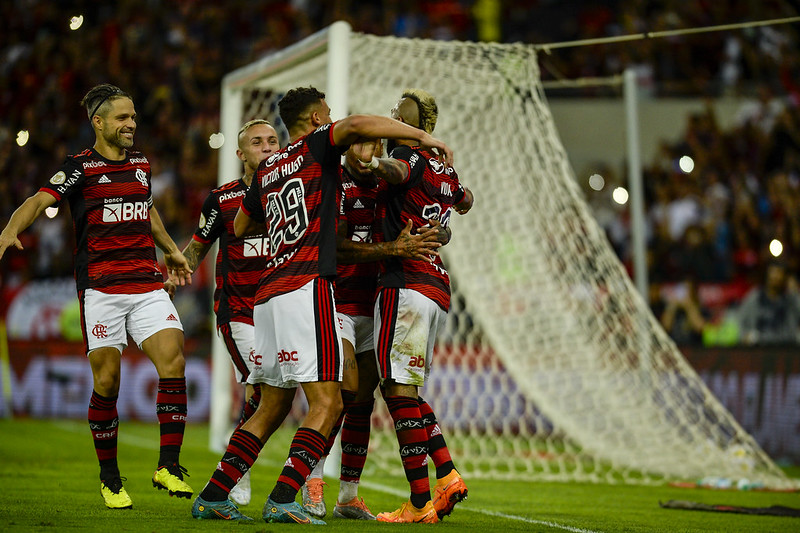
(770, 313)
(683, 317)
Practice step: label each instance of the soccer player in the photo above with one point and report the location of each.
(354, 295)
(297, 340)
(119, 282)
(239, 264)
(413, 299)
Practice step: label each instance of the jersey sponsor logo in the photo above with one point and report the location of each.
(138, 160)
(256, 247)
(231, 195)
(207, 224)
(70, 182)
(58, 178)
(255, 358)
(141, 175)
(104, 179)
(94, 164)
(285, 356)
(445, 189)
(413, 159)
(436, 165)
(361, 235)
(125, 211)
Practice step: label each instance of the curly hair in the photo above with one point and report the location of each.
(295, 103)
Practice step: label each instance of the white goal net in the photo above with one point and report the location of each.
(552, 366)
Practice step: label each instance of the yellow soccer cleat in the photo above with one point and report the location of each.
(115, 495)
(170, 477)
(408, 514)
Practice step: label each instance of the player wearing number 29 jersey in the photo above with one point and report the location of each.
(110, 203)
(295, 193)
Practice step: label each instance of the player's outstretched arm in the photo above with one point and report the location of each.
(419, 246)
(177, 266)
(23, 217)
(357, 128)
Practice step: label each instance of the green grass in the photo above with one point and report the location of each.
(48, 482)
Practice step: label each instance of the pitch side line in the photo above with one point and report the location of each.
(404, 493)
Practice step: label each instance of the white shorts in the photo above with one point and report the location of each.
(358, 331)
(108, 319)
(406, 325)
(297, 338)
(240, 340)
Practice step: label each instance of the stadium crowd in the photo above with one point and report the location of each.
(712, 226)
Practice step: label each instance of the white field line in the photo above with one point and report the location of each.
(403, 493)
(152, 444)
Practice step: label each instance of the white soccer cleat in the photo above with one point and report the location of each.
(314, 497)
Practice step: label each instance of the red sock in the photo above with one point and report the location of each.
(104, 424)
(355, 440)
(242, 452)
(304, 453)
(171, 412)
(437, 447)
(413, 440)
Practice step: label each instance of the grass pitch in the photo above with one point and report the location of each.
(49, 480)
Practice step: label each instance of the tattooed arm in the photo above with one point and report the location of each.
(194, 252)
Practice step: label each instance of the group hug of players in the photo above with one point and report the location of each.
(328, 277)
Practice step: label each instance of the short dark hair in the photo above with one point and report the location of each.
(296, 103)
(99, 95)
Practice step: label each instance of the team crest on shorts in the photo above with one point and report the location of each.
(58, 178)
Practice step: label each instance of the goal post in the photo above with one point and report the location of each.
(551, 365)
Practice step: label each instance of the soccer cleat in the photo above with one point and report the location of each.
(227, 510)
(114, 494)
(314, 497)
(170, 477)
(447, 495)
(240, 493)
(288, 513)
(355, 509)
(408, 514)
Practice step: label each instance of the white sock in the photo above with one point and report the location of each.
(317, 471)
(347, 491)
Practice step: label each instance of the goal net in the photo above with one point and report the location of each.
(551, 366)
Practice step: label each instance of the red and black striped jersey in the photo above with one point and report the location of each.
(294, 192)
(430, 192)
(356, 283)
(110, 203)
(240, 260)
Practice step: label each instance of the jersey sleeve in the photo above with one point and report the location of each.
(211, 222)
(251, 203)
(321, 145)
(415, 162)
(69, 178)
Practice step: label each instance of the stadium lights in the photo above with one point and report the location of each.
(686, 163)
(597, 182)
(75, 22)
(775, 248)
(51, 211)
(620, 195)
(216, 140)
(22, 137)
